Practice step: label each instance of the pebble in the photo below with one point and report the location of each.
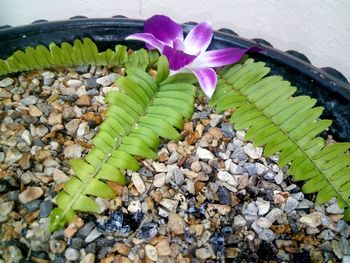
(227, 130)
(6, 82)
(327, 234)
(227, 177)
(93, 235)
(91, 83)
(334, 209)
(134, 206)
(264, 222)
(204, 154)
(159, 180)
(267, 235)
(239, 221)
(71, 254)
(203, 253)
(274, 214)
(291, 204)
(138, 183)
(34, 111)
(55, 118)
(72, 127)
(30, 194)
(29, 100)
(83, 101)
(4, 94)
(41, 130)
(263, 206)
(176, 224)
(279, 177)
(147, 231)
(74, 83)
(151, 252)
(89, 258)
(253, 152)
(311, 220)
(12, 156)
(107, 80)
(73, 151)
(178, 176)
(5, 209)
(344, 246)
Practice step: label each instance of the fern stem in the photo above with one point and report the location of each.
(287, 134)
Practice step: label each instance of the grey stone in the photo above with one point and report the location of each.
(77, 243)
(91, 83)
(71, 254)
(334, 209)
(239, 155)
(270, 176)
(227, 130)
(239, 221)
(107, 80)
(250, 168)
(178, 176)
(263, 206)
(12, 156)
(291, 204)
(267, 235)
(327, 234)
(45, 208)
(30, 100)
(6, 82)
(344, 246)
(4, 94)
(336, 249)
(86, 229)
(33, 205)
(274, 214)
(18, 90)
(82, 69)
(48, 78)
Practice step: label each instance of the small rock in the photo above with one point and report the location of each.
(30, 194)
(73, 151)
(263, 206)
(4, 94)
(239, 221)
(344, 246)
(83, 101)
(274, 214)
(72, 126)
(74, 83)
(12, 156)
(151, 252)
(159, 167)
(311, 220)
(45, 208)
(29, 100)
(68, 113)
(93, 235)
(279, 177)
(169, 204)
(264, 222)
(6, 82)
(178, 176)
(107, 80)
(41, 130)
(176, 224)
(91, 83)
(334, 209)
(327, 234)
(336, 249)
(253, 152)
(250, 168)
(235, 169)
(267, 235)
(82, 69)
(34, 111)
(134, 206)
(346, 259)
(159, 180)
(204, 154)
(138, 183)
(227, 177)
(83, 129)
(147, 231)
(163, 247)
(227, 130)
(5, 209)
(203, 253)
(55, 118)
(89, 258)
(71, 254)
(291, 204)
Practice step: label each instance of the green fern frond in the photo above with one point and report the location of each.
(285, 124)
(80, 53)
(142, 111)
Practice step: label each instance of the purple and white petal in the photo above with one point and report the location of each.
(198, 39)
(207, 80)
(148, 39)
(177, 58)
(164, 29)
(222, 57)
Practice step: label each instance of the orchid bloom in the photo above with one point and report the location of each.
(189, 54)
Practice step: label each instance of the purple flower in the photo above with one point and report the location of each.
(189, 54)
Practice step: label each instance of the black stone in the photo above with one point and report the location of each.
(147, 231)
(77, 243)
(91, 83)
(265, 251)
(217, 242)
(82, 69)
(132, 221)
(303, 257)
(86, 229)
(58, 235)
(113, 223)
(224, 195)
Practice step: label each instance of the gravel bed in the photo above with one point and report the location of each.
(211, 197)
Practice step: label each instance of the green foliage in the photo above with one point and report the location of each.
(142, 111)
(285, 124)
(81, 52)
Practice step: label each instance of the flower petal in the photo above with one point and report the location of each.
(148, 39)
(198, 39)
(222, 57)
(164, 29)
(207, 80)
(177, 58)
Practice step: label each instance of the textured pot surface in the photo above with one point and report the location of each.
(327, 85)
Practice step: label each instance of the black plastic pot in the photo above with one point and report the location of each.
(327, 85)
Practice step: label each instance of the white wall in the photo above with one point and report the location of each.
(318, 28)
